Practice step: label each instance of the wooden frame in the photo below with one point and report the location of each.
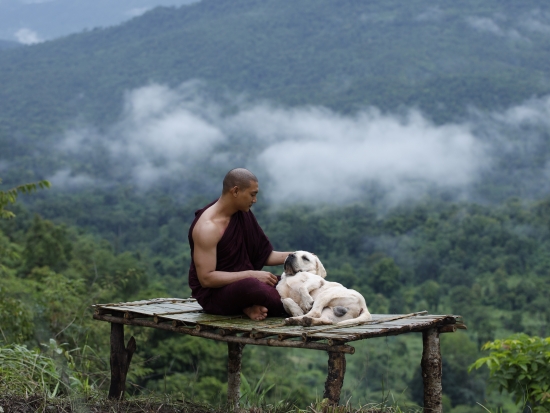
(185, 316)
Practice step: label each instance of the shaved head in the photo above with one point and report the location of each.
(239, 177)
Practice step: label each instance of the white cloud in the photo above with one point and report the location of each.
(137, 11)
(65, 179)
(159, 135)
(27, 36)
(430, 14)
(306, 154)
(325, 157)
(536, 21)
(485, 24)
(534, 111)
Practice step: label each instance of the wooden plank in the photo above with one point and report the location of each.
(185, 316)
(279, 328)
(363, 329)
(151, 309)
(376, 332)
(227, 338)
(148, 302)
(387, 319)
(182, 312)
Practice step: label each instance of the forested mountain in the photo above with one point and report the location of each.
(346, 55)
(7, 44)
(407, 144)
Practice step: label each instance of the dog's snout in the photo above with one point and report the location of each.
(289, 262)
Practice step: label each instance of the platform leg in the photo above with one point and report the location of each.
(431, 371)
(335, 376)
(120, 360)
(235, 355)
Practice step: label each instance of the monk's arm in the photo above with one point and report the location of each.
(205, 240)
(277, 258)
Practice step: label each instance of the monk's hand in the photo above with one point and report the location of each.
(266, 277)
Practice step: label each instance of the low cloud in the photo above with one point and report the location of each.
(536, 21)
(162, 133)
(305, 154)
(27, 36)
(137, 11)
(431, 14)
(488, 25)
(65, 179)
(327, 157)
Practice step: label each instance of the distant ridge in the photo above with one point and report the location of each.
(344, 54)
(8, 44)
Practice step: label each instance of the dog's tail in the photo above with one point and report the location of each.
(364, 316)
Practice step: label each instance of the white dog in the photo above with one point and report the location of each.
(311, 300)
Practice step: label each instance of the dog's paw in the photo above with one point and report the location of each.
(293, 321)
(307, 304)
(299, 321)
(307, 322)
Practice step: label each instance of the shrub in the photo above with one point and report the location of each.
(520, 365)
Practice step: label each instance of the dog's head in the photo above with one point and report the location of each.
(304, 261)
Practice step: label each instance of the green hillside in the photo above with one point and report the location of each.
(8, 44)
(342, 54)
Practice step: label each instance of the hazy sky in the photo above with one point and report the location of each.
(32, 21)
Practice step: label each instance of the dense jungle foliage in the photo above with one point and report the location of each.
(489, 264)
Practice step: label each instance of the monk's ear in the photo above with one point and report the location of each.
(234, 191)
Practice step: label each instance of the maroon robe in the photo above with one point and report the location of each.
(243, 246)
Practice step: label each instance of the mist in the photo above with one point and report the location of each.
(305, 154)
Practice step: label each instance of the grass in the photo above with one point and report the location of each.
(32, 381)
(160, 404)
(41, 403)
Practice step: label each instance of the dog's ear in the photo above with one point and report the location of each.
(319, 268)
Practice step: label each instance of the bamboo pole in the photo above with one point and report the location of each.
(235, 355)
(431, 371)
(234, 339)
(146, 302)
(370, 322)
(120, 361)
(335, 377)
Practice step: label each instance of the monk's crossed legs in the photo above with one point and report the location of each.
(255, 298)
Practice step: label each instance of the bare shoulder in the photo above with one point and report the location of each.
(206, 232)
(209, 229)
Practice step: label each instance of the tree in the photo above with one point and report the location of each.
(10, 196)
(46, 245)
(385, 276)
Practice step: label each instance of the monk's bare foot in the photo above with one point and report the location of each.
(256, 312)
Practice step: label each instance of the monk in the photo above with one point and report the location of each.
(228, 252)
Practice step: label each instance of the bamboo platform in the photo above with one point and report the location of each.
(185, 316)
